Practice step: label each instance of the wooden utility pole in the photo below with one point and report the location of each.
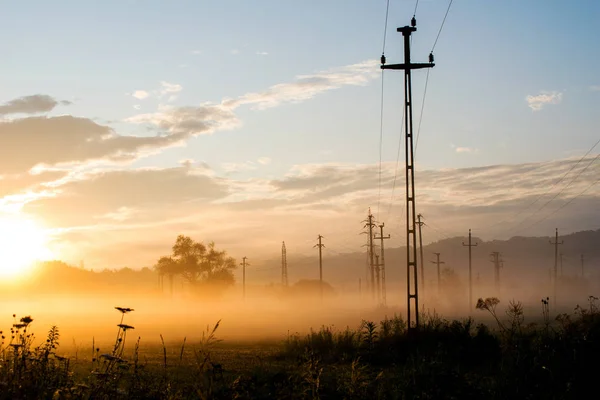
(381, 237)
(420, 224)
(320, 246)
(412, 289)
(439, 275)
(470, 245)
(555, 244)
(244, 264)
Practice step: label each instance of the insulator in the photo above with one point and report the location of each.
(382, 59)
(413, 22)
(431, 58)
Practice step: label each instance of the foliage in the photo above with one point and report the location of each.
(197, 263)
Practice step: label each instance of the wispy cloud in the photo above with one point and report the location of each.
(195, 52)
(264, 160)
(262, 53)
(140, 94)
(466, 150)
(537, 102)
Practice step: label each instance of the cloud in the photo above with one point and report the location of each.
(67, 141)
(262, 53)
(137, 106)
(158, 204)
(35, 104)
(192, 120)
(107, 194)
(264, 161)
(466, 150)
(537, 102)
(140, 94)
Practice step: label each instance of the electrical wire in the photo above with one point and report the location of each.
(387, 10)
(416, 5)
(421, 114)
(441, 26)
(400, 141)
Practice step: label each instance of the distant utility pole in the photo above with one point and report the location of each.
(284, 274)
(320, 246)
(420, 224)
(498, 263)
(412, 289)
(244, 264)
(582, 274)
(381, 237)
(439, 275)
(370, 224)
(556, 243)
(470, 271)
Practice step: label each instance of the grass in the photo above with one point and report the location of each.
(513, 359)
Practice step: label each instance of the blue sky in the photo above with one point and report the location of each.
(489, 58)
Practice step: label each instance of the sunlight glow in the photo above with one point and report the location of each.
(22, 242)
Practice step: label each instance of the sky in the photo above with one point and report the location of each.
(126, 123)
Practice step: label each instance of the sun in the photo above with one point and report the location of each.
(22, 242)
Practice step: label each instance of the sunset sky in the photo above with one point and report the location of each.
(125, 123)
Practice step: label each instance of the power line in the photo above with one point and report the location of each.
(400, 141)
(442, 26)
(562, 190)
(387, 9)
(416, 5)
(421, 115)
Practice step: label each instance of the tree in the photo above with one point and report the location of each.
(167, 266)
(198, 264)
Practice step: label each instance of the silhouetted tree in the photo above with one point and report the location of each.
(197, 263)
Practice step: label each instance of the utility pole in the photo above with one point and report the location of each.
(378, 277)
(411, 241)
(498, 263)
(370, 224)
(381, 237)
(556, 243)
(439, 275)
(284, 274)
(420, 224)
(320, 246)
(244, 264)
(470, 272)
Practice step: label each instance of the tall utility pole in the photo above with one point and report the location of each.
(498, 263)
(420, 224)
(370, 224)
(378, 277)
(284, 274)
(439, 275)
(556, 243)
(381, 237)
(470, 272)
(412, 289)
(244, 264)
(320, 246)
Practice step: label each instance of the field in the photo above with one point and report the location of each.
(507, 356)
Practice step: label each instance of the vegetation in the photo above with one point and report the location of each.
(200, 265)
(385, 360)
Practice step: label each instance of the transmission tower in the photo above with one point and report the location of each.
(439, 275)
(498, 263)
(370, 224)
(284, 272)
(470, 245)
(555, 244)
(383, 290)
(411, 240)
(320, 246)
